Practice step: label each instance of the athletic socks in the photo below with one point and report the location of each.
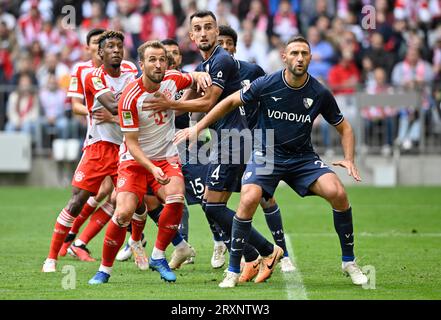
(343, 226)
(97, 222)
(62, 226)
(113, 240)
(223, 216)
(155, 214)
(138, 224)
(169, 220)
(88, 208)
(274, 221)
(239, 236)
(183, 226)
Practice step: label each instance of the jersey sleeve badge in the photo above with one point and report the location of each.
(98, 83)
(73, 86)
(127, 118)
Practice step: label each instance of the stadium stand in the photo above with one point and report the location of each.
(393, 47)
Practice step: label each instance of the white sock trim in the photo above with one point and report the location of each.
(65, 219)
(92, 202)
(158, 254)
(108, 208)
(105, 269)
(79, 243)
(175, 198)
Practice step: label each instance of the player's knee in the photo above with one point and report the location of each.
(250, 196)
(123, 215)
(337, 195)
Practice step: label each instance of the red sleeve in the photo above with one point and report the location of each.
(127, 110)
(182, 80)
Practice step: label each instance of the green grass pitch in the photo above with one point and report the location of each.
(397, 234)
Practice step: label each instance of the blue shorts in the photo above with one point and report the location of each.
(299, 173)
(224, 177)
(194, 177)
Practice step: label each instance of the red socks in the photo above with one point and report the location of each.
(97, 222)
(138, 224)
(113, 240)
(169, 221)
(88, 208)
(62, 227)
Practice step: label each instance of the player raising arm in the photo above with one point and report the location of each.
(296, 94)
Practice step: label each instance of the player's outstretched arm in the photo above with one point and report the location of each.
(202, 81)
(348, 145)
(131, 140)
(219, 110)
(202, 104)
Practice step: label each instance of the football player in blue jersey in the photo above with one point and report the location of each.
(248, 73)
(224, 167)
(289, 101)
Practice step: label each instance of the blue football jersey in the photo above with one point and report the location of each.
(224, 73)
(290, 112)
(248, 73)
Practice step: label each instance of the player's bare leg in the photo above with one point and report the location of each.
(329, 187)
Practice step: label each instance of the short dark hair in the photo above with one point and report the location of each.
(298, 39)
(225, 30)
(109, 35)
(153, 44)
(92, 33)
(203, 13)
(169, 42)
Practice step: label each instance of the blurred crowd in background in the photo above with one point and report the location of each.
(396, 45)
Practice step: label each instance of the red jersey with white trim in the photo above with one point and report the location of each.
(156, 129)
(98, 82)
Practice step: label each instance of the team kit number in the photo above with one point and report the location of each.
(159, 117)
(198, 187)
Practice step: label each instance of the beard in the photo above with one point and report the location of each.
(156, 78)
(205, 46)
(116, 65)
(298, 73)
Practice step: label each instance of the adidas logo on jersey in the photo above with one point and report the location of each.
(289, 116)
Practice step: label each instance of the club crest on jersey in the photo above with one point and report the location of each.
(79, 176)
(97, 83)
(73, 86)
(121, 182)
(307, 102)
(127, 118)
(167, 93)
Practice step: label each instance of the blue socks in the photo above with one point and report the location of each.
(274, 221)
(344, 228)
